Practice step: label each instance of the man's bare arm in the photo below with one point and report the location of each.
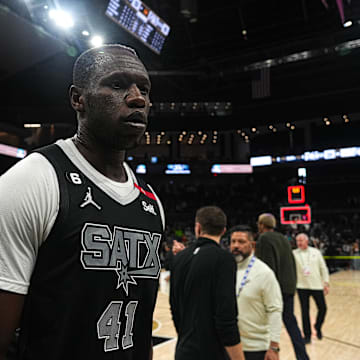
(11, 306)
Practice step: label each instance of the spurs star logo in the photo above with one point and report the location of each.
(130, 253)
(88, 200)
(124, 278)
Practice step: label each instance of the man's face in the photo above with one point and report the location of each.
(240, 244)
(260, 227)
(117, 101)
(302, 242)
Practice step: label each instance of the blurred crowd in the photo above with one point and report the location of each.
(334, 230)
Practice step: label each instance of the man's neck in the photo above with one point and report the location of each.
(109, 164)
(245, 260)
(211, 237)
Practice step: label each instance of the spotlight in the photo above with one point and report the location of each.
(347, 24)
(32, 125)
(85, 33)
(61, 18)
(96, 41)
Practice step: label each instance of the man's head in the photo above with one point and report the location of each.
(241, 242)
(110, 94)
(302, 241)
(210, 220)
(266, 222)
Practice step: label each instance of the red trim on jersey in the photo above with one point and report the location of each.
(146, 193)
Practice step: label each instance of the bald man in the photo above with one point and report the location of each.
(274, 249)
(312, 280)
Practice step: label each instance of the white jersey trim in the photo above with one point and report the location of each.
(123, 193)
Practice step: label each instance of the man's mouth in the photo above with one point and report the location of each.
(137, 119)
(135, 124)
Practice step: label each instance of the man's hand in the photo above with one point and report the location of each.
(326, 289)
(177, 247)
(271, 355)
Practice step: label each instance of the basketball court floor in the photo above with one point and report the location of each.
(341, 329)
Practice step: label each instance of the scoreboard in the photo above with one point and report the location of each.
(140, 21)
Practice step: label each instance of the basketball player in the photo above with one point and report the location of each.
(202, 294)
(79, 262)
(259, 299)
(274, 250)
(312, 280)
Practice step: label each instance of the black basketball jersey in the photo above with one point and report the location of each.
(93, 290)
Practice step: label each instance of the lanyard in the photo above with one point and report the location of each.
(247, 271)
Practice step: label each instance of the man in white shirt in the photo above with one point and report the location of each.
(258, 297)
(312, 280)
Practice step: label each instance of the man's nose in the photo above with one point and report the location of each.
(134, 97)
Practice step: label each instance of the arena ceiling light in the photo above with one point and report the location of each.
(96, 41)
(61, 18)
(347, 23)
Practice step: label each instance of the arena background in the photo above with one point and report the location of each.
(235, 80)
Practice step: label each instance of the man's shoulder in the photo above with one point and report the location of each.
(314, 250)
(183, 254)
(208, 251)
(262, 267)
(270, 237)
(26, 166)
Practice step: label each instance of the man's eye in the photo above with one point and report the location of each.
(116, 85)
(144, 91)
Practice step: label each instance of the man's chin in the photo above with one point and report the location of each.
(125, 143)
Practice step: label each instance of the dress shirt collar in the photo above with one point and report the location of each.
(244, 264)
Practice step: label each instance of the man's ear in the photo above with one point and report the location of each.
(223, 232)
(76, 98)
(197, 229)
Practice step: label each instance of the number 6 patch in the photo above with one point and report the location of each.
(109, 325)
(74, 178)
